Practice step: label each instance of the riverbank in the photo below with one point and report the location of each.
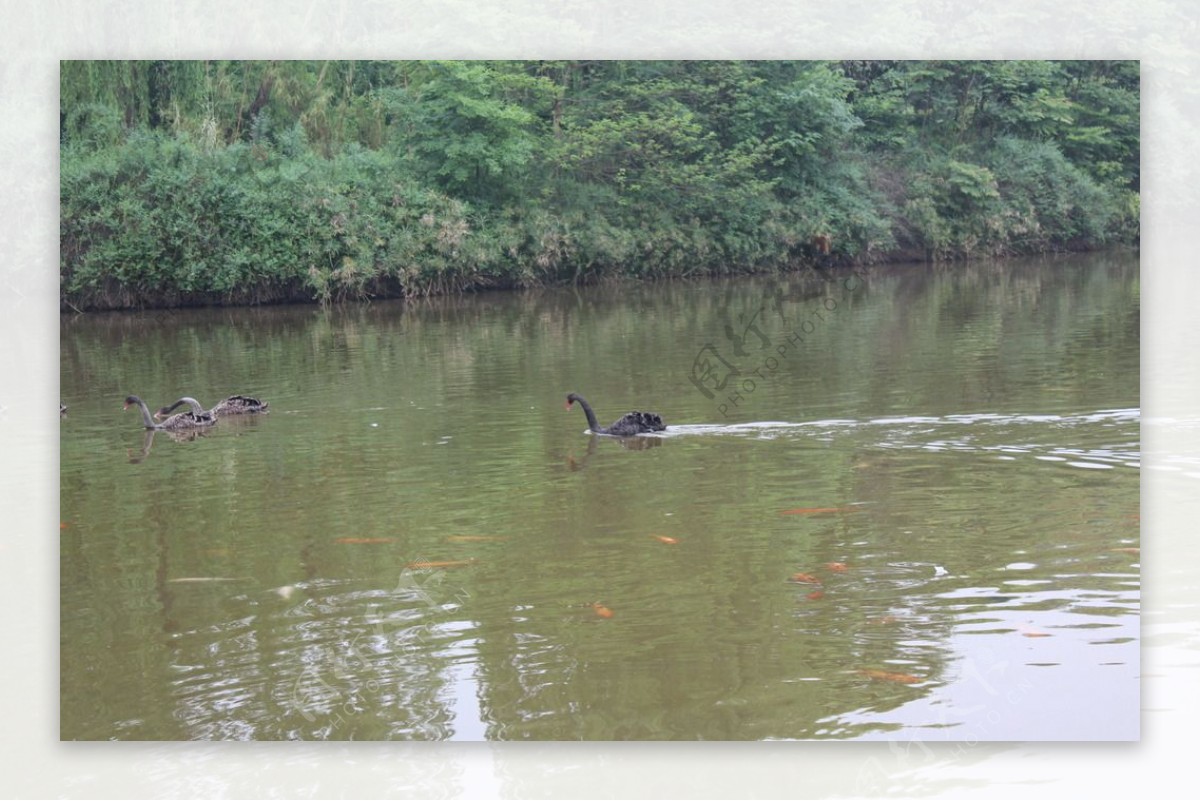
(115, 297)
(118, 298)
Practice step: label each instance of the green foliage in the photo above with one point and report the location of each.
(992, 158)
(229, 181)
(244, 223)
(470, 127)
(1027, 198)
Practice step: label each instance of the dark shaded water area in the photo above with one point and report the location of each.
(904, 505)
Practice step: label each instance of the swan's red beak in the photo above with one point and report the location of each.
(568, 406)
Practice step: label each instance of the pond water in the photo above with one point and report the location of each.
(900, 506)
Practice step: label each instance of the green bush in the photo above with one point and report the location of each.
(210, 182)
(1052, 204)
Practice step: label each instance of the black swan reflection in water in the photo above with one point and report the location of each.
(197, 418)
(182, 435)
(234, 404)
(629, 425)
(628, 443)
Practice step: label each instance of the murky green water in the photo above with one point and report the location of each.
(905, 507)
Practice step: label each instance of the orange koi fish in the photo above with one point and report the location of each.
(202, 579)
(424, 565)
(883, 675)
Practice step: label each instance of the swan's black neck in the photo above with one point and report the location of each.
(197, 409)
(141, 404)
(587, 410)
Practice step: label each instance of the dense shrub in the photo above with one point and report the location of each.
(244, 182)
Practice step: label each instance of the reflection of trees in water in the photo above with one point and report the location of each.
(703, 631)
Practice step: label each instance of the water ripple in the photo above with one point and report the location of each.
(963, 433)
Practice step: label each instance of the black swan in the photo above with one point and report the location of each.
(629, 425)
(234, 404)
(197, 418)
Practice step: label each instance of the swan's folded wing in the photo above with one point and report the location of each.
(651, 421)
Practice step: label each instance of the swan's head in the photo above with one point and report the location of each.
(571, 399)
(131, 400)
